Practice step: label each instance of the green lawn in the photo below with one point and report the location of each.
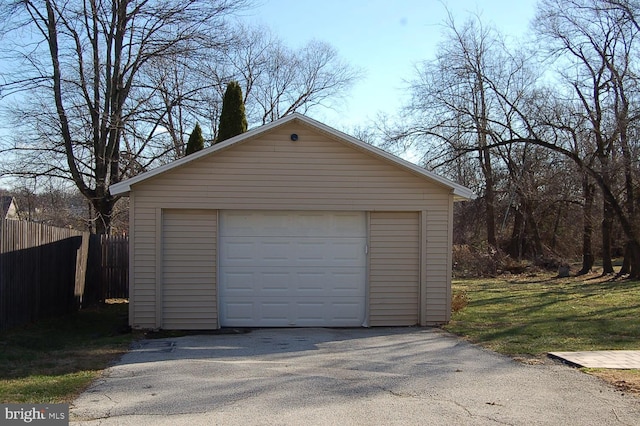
(53, 360)
(538, 314)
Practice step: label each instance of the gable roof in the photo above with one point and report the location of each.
(460, 192)
(5, 205)
(5, 202)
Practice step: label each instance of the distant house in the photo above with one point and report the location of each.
(8, 207)
(292, 224)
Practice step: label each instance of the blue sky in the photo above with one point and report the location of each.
(385, 38)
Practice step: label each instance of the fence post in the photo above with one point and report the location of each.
(93, 277)
(81, 271)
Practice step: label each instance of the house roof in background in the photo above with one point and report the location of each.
(5, 203)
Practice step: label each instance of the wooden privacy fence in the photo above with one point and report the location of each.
(108, 265)
(47, 271)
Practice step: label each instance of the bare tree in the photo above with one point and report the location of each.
(594, 43)
(278, 81)
(480, 101)
(457, 108)
(82, 67)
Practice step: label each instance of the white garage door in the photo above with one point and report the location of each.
(292, 269)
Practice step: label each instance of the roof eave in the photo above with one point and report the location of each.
(463, 195)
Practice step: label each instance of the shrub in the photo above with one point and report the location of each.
(470, 263)
(459, 301)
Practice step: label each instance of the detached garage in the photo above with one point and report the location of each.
(292, 224)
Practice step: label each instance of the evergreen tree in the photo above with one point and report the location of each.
(233, 120)
(196, 141)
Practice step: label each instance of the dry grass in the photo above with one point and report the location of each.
(53, 360)
(623, 380)
(459, 301)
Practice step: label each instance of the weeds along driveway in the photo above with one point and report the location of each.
(382, 376)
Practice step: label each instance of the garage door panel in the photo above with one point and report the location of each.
(240, 313)
(283, 251)
(300, 282)
(249, 314)
(274, 311)
(237, 281)
(274, 284)
(311, 283)
(347, 250)
(292, 268)
(329, 313)
(292, 223)
(309, 313)
(348, 309)
(237, 250)
(346, 283)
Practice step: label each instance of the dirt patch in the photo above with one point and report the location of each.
(529, 360)
(623, 380)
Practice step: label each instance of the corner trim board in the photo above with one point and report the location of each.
(423, 268)
(158, 255)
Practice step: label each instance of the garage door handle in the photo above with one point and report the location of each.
(366, 249)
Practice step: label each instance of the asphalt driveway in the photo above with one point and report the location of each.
(381, 376)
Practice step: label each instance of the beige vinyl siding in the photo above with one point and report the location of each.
(394, 271)
(189, 269)
(438, 268)
(142, 240)
(274, 173)
(271, 172)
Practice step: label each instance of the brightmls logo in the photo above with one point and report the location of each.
(38, 414)
(25, 415)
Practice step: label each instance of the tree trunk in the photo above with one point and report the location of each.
(634, 260)
(489, 196)
(515, 243)
(607, 226)
(631, 263)
(587, 226)
(626, 263)
(556, 228)
(103, 224)
(532, 231)
(484, 154)
(631, 252)
(103, 207)
(491, 212)
(629, 227)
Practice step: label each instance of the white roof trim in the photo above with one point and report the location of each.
(459, 191)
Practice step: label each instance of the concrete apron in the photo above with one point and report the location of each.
(620, 360)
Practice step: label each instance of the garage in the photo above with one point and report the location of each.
(291, 224)
(291, 268)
